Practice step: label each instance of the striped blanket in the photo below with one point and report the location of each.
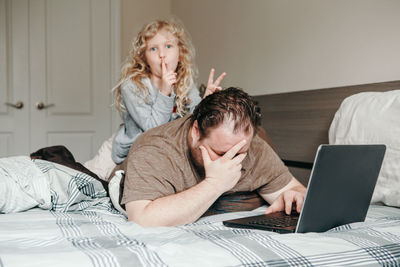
(98, 237)
(26, 183)
(95, 234)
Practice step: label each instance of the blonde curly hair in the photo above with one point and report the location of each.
(136, 67)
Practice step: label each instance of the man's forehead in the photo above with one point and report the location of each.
(227, 128)
(223, 138)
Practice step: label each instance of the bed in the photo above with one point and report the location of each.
(83, 228)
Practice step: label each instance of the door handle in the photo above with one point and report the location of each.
(17, 105)
(41, 106)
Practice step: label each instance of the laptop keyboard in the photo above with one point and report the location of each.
(283, 221)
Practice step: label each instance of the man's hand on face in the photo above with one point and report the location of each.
(224, 172)
(286, 200)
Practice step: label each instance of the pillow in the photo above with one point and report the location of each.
(114, 190)
(102, 164)
(373, 118)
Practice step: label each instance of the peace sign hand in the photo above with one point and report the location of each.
(211, 85)
(224, 172)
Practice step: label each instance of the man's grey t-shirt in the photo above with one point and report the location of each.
(159, 164)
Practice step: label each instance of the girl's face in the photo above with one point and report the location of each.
(162, 47)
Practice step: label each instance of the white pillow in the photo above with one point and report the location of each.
(373, 118)
(113, 190)
(102, 164)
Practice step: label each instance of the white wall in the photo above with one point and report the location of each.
(135, 14)
(269, 46)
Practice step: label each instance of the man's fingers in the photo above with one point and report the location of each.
(285, 203)
(234, 150)
(275, 206)
(206, 157)
(211, 77)
(239, 158)
(288, 205)
(299, 202)
(219, 80)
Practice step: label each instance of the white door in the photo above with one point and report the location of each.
(14, 78)
(69, 57)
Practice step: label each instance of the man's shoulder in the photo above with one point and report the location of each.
(259, 155)
(258, 145)
(166, 136)
(166, 130)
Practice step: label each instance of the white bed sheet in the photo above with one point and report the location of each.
(83, 229)
(98, 237)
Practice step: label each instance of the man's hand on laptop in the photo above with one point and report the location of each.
(292, 197)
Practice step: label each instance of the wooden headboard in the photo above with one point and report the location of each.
(298, 122)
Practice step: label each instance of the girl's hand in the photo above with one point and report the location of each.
(213, 86)
(168, 79)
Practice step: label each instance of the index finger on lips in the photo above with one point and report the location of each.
(234, 150)
(163, 67)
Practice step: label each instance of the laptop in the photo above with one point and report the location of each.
(339, 192)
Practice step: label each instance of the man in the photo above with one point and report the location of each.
(176, 171)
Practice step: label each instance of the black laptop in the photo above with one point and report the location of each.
(339, 191)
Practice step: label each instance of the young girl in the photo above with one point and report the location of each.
(157, 83)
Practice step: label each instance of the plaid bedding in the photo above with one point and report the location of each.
(98, 237)
(95, 234)
(72, 190)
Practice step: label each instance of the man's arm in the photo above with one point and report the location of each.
(187, 206)
(283, 199)
(181, 208)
